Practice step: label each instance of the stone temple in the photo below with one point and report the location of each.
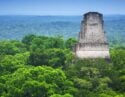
(92, 40)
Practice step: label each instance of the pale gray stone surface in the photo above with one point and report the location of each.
(92, 39)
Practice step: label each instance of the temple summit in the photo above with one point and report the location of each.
(92, 40)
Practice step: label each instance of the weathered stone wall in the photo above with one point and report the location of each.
(92, 37)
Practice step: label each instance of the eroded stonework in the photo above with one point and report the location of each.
(92, 39)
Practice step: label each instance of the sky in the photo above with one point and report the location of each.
(60, 7)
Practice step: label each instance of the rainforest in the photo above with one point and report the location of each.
(45, 66)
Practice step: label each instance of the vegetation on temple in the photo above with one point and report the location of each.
(40, 66)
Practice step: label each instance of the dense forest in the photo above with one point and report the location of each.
(16, 27)
(41, 66)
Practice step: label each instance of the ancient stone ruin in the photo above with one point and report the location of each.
(92, 40)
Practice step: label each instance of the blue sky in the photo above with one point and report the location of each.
(60, 7)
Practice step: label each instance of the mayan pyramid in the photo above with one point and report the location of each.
(92, 40)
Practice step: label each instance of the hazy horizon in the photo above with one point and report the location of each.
(57, 15)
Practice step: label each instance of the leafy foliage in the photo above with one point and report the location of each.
(41, 66)
(36, 82)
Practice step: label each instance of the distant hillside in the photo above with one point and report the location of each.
(16, 27)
